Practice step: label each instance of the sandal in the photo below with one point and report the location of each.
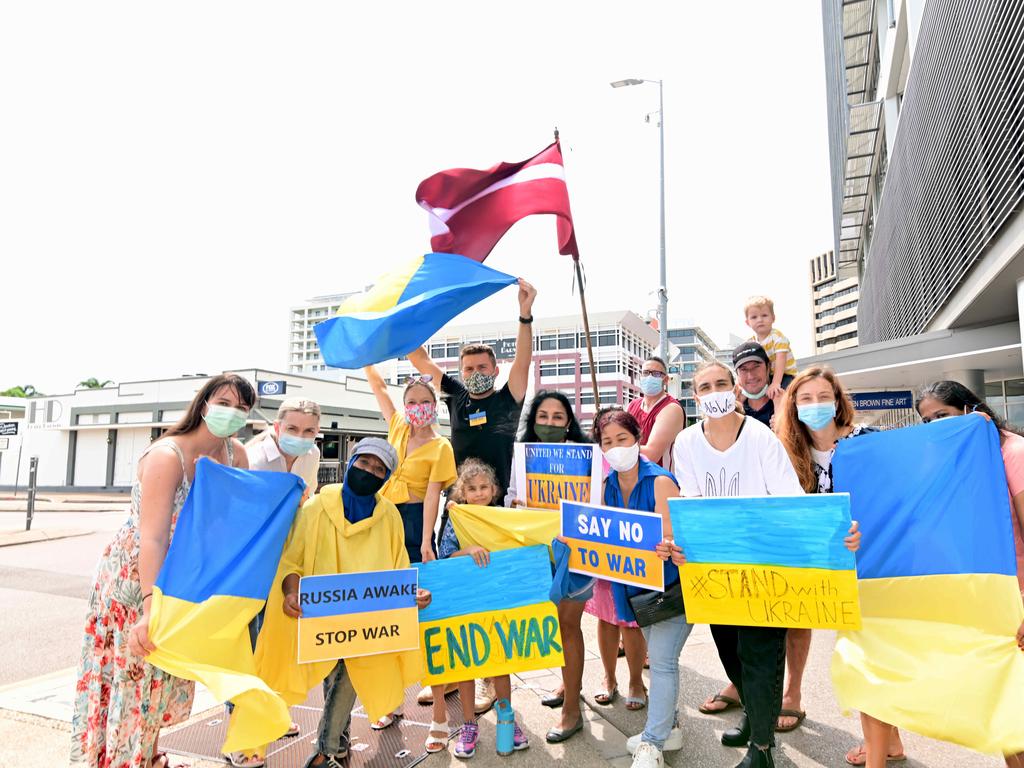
(605, 697)
(729, 701)
(385, 721)
(239, 760)
(437, 743)
(800, 716)
(636, 703)
(293, 730)
(859, 756)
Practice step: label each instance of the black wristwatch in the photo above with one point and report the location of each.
(526, 320)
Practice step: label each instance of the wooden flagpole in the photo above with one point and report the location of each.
(586, 325)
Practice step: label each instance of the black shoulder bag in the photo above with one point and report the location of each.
(652, 607)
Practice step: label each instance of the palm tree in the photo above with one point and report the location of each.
(94, 383)
(21, 391)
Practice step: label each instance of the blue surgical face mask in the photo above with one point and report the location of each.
(816, 415)
(294, 446)
(650, 385)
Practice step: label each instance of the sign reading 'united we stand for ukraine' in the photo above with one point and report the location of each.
(546, 473)
(358, 614)
(614, 544)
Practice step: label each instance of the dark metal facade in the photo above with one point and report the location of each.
(835, 89)
(956, 174)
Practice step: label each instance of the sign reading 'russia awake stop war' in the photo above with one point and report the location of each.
(357, 614)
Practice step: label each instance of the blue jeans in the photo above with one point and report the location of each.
(665, 641)
(339, 698)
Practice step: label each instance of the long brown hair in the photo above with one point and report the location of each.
(795, 435)
(194, 415)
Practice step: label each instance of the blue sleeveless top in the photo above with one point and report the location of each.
(642, 500)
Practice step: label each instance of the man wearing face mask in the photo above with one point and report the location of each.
(484, 420)
(660, 416)
(750, 362)
(346, 528)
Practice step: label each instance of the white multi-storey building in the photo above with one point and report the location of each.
(303, 351)
(833, 306)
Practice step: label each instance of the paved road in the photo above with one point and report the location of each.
(42, 604)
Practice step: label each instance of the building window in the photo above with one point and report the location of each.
(546, 343)
(567, 341)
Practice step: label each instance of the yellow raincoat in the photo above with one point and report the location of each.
(322, 542)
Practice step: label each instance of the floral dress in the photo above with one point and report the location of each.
(121, 701)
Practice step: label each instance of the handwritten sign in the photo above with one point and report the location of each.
(782, 562)
(357, 614)
(614, 544)
(546, 473)
(488, 621)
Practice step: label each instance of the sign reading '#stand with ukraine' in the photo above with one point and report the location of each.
(614, 544)
(357, 614)
(488, 621)
(546, 473)
(772, 561)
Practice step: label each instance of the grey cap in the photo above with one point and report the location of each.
(379, 447)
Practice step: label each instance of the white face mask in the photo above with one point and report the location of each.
(623, 458)
(715, 405)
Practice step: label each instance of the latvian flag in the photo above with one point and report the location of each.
(470, 210)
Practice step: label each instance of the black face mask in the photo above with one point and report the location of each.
(363, 483)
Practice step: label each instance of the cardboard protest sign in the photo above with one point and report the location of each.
(773, 561)
(358, 614)
(546, 473)
(489, 621)
(614, 544)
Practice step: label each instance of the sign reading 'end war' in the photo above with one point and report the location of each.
(358, 614)
(489, 621)
(614, 544)
(546, 473)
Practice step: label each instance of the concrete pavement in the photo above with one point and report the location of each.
(42, 604)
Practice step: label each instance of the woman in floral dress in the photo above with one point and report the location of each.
(122, 701)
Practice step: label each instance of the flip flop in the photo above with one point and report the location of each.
(859, 756)
(604, 698)
(800, 716)
(729, 701)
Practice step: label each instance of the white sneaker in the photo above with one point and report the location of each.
(484, 696)
(673, 743)
(648, 756)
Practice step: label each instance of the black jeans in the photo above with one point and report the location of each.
(755, 662)
(412, 521)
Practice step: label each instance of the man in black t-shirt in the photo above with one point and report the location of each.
(750, 360)
(485, 420)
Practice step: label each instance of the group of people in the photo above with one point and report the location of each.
(767, 429)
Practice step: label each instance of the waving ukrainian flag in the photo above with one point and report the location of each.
(215, 579)
(939, 597)
(404, 308)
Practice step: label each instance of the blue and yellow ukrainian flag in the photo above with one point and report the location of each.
(404, 308)
(780, 562)
(939, 593)
(215, 579)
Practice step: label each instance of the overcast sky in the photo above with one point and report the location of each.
(173, 177)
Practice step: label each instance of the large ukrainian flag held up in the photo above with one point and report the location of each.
(404, 308)
(215, 579)
(939, 595)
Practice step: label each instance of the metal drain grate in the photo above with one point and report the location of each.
(370, 749)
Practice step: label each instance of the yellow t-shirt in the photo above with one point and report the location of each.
(430, 463)
(773, 345)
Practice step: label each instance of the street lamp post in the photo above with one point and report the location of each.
(662, 288)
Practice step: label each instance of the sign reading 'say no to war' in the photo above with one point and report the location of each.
(614, 544)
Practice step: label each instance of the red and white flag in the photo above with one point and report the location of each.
(470, 210)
